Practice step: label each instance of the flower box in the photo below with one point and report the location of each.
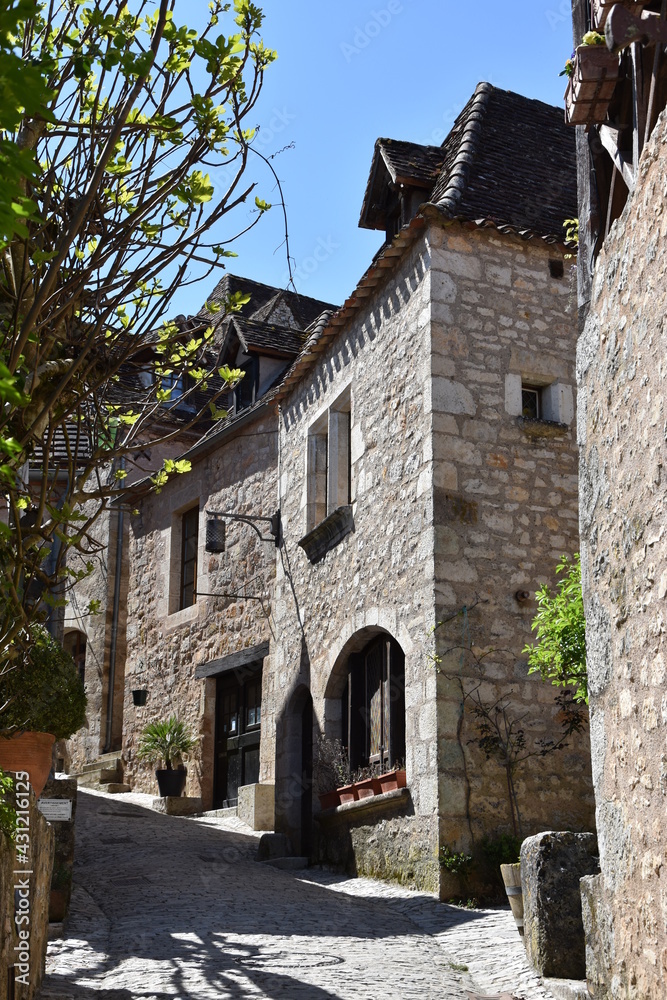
(330, 799)
(348, 793)
(591, 85)
(392, 780)
(600, 10)
(368, 787)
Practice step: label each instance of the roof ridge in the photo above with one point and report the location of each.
(458, 173)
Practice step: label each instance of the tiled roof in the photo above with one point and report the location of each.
(304, 308)
(509, 161)
(267, 337)
(408, 162)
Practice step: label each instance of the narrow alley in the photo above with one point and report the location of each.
(167, 907)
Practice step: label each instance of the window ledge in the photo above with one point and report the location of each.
(536, 428)
(182, 617)
(327, 534)
(398, 797)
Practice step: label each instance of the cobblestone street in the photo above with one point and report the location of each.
(166, 907)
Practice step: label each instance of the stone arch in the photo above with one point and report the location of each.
(75, 642)
(364, 697)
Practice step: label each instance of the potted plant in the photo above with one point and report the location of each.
(366, 781)
(391, 780)
(593, 73)
(168, 740)
(332, 772)
(42, 699)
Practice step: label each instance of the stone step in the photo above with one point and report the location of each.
(109, 774)
(115, 788)
(226, 813)
(111, 761)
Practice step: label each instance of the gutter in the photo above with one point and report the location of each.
(114, 623)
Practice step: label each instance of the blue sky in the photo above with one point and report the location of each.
(349, 71)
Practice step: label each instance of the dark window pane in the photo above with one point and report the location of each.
(530, 403)
(190, 532)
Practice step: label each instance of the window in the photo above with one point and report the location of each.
(245, 392)
(74, 643)
(530, 402)
(537, 397)
(374, 705)
(189, 545)
(329, 461)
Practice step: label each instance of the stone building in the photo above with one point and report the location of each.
(621, 429)
(420, 450)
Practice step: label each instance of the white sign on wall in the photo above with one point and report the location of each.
(55, 809)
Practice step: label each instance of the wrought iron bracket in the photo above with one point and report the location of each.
(274, 522)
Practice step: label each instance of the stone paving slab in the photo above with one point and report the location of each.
(170, 907)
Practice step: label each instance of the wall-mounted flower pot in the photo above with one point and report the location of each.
(392, 780)
(29, 752)
(139, 697)
(171, 781)
(600, 10)
(348, 794)
(368, 787)
(330, 799)
(591, 86)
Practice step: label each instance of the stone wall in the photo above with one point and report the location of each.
(165, 645)
(23, 941)
(455, 500)
(505, 511)
(379, 578)
(621, 371)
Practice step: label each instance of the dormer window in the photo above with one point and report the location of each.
(246, 391)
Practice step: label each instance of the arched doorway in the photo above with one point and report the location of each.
(294, 773)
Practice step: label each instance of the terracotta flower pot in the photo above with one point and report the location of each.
(29, 752)
(330, 799)
(348, 793)
(368, 787)
(392, 780)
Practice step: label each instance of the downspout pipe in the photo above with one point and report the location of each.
(114, 623)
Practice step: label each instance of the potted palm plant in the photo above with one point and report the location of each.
(167, 741)
(42, 699)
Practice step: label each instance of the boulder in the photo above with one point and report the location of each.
(551, 866)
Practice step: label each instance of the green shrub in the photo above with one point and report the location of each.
(501, 850)
(458, 863)
(166, 740)
(44, 692)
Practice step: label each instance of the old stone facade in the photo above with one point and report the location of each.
(624, 565)
(419, 446)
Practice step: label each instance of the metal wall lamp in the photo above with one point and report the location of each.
(215, 528)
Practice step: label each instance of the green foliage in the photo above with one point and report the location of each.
(503, 849)
(43, 691)
(7, 810)
(116, 121)
(166, 740)
(560, 652)
(456, 862)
